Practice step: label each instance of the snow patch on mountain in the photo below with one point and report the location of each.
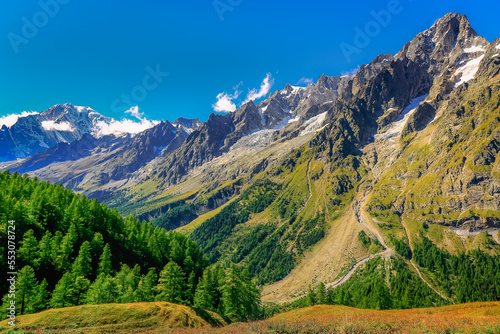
(397, 126)
(474, 48)
(314, 124)
(467, 71)
(83, 108)
(186, 129)
(256, 139)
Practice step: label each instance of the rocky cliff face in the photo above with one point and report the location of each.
(443, 163)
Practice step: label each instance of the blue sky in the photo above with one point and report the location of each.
(173, 58)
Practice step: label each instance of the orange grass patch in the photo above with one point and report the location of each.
(464, 318)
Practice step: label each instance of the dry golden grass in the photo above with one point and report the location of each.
(160, 317)
(466, 318)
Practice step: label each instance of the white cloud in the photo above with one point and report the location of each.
(225, 101)
(265, 86)
(305, 81)
(53, 126)
(126, 126)
(10, 120)
(119, 128)
(134, 111)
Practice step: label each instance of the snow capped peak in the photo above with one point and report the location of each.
(291, 90)
(296, 89)
(87, 109)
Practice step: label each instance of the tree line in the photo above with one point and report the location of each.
(72, 250)
(470, 277)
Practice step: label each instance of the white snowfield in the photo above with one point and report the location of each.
(295, 90)
(475, 48)
(397, 126)
(314, 124)
(467, 71)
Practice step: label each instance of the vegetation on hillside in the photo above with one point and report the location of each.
(470, 277)
(391, 284)
(381, 284)
(72, 251)
(260, 245)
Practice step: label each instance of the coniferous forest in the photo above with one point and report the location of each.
(71, 250)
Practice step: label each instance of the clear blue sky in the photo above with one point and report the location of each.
(92, 52)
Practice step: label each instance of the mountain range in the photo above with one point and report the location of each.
(404, 150)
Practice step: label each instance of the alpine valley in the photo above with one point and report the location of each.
(379, 189)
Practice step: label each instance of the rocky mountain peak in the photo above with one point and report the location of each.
(449, 40)
(187, 122)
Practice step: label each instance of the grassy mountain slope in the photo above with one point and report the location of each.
(123, 318)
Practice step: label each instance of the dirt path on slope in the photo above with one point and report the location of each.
(358, 206)
(364, 219)
(322, 263)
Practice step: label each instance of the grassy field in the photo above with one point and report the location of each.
(155, 318)
(472, 318)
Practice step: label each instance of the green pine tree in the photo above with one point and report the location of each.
(204, 296)
(63, 293)
(145, 291)
(26, 286)
(172, 285)
(105, 265)
(82, 266)
(41, 298)
(321, 293)
(233, 291)
(29, 249)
